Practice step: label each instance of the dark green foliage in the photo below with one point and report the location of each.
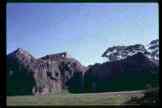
(19, 82)
(123, 82)
(89, 80)
(132, 81)
(75, 84)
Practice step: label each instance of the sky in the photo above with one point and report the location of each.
(84, 30)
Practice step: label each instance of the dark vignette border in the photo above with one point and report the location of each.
(3, 53)
(3, 39)
(82, 0)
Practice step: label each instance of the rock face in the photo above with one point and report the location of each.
(51, 73)
(128, 68)
(19, 72)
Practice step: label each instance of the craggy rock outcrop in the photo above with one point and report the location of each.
(51, 73)
(20, 79)
(71, 72)
(129, 68)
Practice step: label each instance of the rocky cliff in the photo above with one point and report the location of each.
(51, 73)
(128, 68)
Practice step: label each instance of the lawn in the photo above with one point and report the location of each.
(107, 98)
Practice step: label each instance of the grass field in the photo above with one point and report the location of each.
(107, 98)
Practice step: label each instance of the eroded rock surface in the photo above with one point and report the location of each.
(128, 68)
(51, 73)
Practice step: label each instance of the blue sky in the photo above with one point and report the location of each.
(84, 30)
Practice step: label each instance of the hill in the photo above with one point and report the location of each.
(128, 68)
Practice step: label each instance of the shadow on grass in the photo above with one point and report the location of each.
(150, 98)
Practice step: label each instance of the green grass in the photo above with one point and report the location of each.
(107, 98)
